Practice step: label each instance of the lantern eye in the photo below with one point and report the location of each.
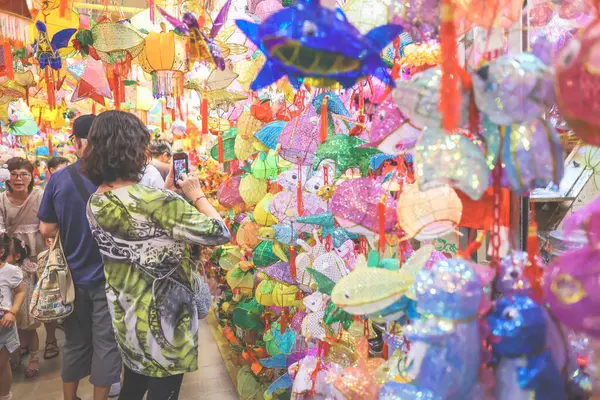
(510, 314)
(569, 54)
(294, 177)
(309, 28)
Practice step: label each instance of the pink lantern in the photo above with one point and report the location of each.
(300, 138)
(266, 8)
(228, 193)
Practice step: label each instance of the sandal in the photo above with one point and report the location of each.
(33, 366)
(51, 350)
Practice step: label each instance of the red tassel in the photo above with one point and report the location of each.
(64, 5)
(293, 261)
(204, 113)
(93, 107)
(283, 323)
(173, 116)
(450, 97)
(8, 61)
(324, 122)
(50, 146)
(381, 218)
(117, 87)
(533, 272)
(220, 148)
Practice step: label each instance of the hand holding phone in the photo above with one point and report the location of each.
(180, 167)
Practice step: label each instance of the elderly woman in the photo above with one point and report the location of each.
(143, 235)
(18, 218)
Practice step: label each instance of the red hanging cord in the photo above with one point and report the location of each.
(220, 148)
(381, 220)
(324, 123)
(204, 112)
(450, 96)
(293, 261)
(300, 199)
(533, 271)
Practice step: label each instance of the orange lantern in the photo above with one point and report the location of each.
(164, 57)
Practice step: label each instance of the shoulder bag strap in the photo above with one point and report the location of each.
(78, 181)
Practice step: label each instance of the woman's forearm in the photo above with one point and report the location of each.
(203, 205)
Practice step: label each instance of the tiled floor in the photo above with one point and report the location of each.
(211, 381)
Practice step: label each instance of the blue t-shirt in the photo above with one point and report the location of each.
(63, 205)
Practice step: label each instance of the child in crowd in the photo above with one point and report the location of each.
(26, 324)
(12, 293)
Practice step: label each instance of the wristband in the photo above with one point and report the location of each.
(198, 198)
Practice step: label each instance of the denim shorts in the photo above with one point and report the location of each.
(90, 347)
(9, 338)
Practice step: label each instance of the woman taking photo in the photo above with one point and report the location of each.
(143, 235)
(18, 218)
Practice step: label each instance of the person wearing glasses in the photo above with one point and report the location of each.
(160, 151)
(19, 206)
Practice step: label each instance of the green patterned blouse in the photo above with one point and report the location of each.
(142, 234)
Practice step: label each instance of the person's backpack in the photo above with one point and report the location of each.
(54, 294)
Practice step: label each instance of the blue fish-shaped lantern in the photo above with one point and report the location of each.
(310, 41)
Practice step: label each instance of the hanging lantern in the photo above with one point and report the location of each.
(164, 57)
(429, 214)
(248, 125)
(247, 235)
(243, 148)
(15, 20)
(366, 15)
(252, 190)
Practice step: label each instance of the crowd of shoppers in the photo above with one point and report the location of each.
(125, 231)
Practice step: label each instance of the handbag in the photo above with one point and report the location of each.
(201, 293)
(54, 295)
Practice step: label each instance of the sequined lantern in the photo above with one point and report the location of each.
(533, 156)
(164, 57)
(578, 81)
(419, 99)
(300, 138)
(429, 214)
(450, 159)
(514, 88)
(391, 132)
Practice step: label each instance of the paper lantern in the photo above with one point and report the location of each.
(116, 42)
(243, 148)
(15, 21)
(300, 138)
(366, 15)
(252, 190)
(262, 214)
(241, 281)
(230, 257)
(265, 166)
(429, 214)
(228, 138)
(248, 125)
(164, 56)
(451, 159)
(228, 194)
(247, 235)
(267, 7)
(264, 293)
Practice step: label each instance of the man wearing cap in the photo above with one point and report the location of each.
(90, 348)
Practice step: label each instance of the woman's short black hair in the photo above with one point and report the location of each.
(20, 163)
(116, 148)
(4, 247)
(56, 161)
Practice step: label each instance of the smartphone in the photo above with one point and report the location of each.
(180, 166)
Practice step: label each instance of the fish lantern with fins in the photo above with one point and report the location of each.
(307, 41)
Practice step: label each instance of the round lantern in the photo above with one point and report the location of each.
(252, 190)
(230, 257)
(248, 125)
(366, 15)
(247, 235)
(430, 214)
(164, 57)
(262, 214)
(243, 148)
(228, 193)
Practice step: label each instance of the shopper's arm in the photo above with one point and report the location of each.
(48, 229)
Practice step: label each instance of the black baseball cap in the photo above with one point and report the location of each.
(82, 125)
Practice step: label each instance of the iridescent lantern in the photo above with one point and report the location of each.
(578, 82)
(356, 207)
(514, 88)
(243, 148)
(421, 18)
(419, 99)
(451, 159)
(164, 57)
(299, 139)
(429, 214)
(533, 156)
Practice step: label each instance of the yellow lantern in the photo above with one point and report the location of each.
(248, 125)
(243, 148)
(262, 215)
(252, 190)
(164, 57)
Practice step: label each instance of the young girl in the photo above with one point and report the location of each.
(12, 293)
(26, 324)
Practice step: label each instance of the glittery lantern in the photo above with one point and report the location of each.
(419, 99)
(533, 156)
(355, 206)
(514, 88)
(300, 138)
(248, 125)
(578, 82)
(284, 207)
(450, 159)
(391, 131)
(252, 190)
(421, 18)
(429, 214)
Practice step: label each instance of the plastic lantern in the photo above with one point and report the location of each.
(228, 193)
(391, 132)
(356, 207)
(248, 125)
(230, 257)
(366, 15)
(451, 159)
(514, 88)
(576, 68)
(243, 148)
(265, 166)
(419, 99)
(164, 56)
(533, 156)
(429, 214)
